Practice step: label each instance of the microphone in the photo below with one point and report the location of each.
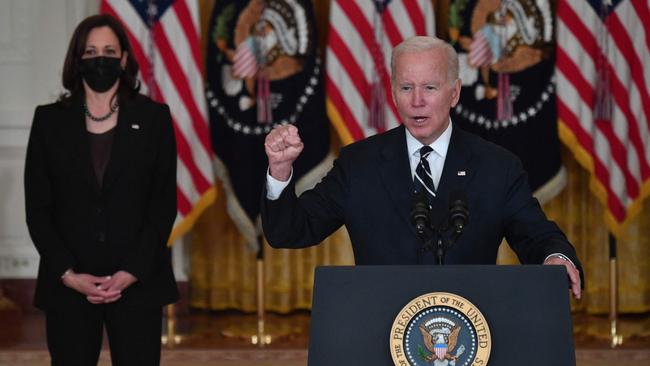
(421, 215)
(458, 211)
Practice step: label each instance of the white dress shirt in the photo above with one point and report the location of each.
(275, 187)
(437, 157)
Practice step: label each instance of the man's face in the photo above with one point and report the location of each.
(423, 93)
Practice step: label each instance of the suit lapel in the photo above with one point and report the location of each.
(120, 148)
(456, 172)
(395, 173)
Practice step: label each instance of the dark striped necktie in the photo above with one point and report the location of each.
(423, 178)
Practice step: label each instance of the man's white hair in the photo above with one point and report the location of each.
(426, 43)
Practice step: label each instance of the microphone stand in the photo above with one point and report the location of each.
(436, 234)
(443, 243)
(433, 239)
(428, 233)
(440, 248)
(427, 244)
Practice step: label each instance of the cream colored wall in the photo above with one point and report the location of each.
(34, 35)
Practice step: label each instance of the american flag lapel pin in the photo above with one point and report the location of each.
(461, 173)
(135, 126)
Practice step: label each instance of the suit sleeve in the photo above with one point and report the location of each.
(530, 234)
(292, 222)
(151, 245)
(40, 203)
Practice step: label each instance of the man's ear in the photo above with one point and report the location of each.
(456, 93)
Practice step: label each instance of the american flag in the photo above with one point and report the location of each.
(244, 61)
(361, 36)
(604, 49)
(479, 51)
(165, 40)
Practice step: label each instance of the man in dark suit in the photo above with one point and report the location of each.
(370, 187)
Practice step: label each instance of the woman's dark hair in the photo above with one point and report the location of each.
(72, 81)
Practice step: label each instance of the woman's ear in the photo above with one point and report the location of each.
(125, 55)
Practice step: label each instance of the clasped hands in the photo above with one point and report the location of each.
(99, 290)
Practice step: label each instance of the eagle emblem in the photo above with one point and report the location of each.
(440, 329)
(440, 336)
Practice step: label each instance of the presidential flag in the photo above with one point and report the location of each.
(263, 70)
(165, 40)
(362, 34)
(603, 53)
(507, 57)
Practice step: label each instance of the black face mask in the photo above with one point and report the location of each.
(100, 73)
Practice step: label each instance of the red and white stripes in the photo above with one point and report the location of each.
(479, 51)
(170, 65)
(617, 152)
(244, 61)
(352, 67)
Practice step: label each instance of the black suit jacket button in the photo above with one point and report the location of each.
(101, 237)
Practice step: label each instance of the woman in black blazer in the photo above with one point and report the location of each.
(100, 196)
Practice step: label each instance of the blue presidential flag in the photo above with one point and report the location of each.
(263, 70)
(507, 57)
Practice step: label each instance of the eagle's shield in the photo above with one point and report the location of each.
(441, 350)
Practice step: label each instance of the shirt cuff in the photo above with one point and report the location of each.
(274, 187)
(561, 256)
(67, 272)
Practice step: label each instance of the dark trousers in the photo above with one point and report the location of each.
(74, 334)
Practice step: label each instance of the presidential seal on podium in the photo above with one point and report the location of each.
(440, 329)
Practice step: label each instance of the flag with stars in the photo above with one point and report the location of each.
(604, 99)
(263, 70)
(164, 35)
(360, 40)
(507, 55)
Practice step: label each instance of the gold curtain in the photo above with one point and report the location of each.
(581, 216)
(223, 268)
(223, 273)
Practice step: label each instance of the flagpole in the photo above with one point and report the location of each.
(615, 338)
(9, 312)
(5, 303)
(171, 337)
(262, 337)
(262, 332)
(603, 115)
